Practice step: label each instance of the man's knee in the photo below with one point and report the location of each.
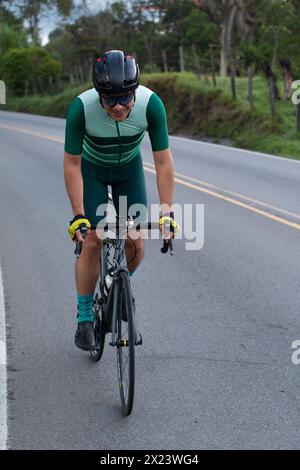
(92, 245)
(138, 246)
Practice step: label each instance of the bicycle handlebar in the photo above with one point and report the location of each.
(167, 244)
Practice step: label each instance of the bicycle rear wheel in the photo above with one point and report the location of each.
(125, 345)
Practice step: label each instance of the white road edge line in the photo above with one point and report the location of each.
(3, 378)
(236, 149)
(199, 142)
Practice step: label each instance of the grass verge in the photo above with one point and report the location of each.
(197, 109)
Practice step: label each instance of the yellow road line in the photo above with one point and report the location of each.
(151, 169)
(33, 133)
(239, 195)
(233, 201)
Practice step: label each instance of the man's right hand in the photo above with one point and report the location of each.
(78, 226)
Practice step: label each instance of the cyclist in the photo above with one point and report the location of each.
(105, 126)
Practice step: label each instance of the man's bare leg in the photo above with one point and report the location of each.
(134, 253)
(87, 273)
(87, 268)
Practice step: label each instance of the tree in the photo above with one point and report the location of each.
(270, 44)
(43, 68)
(12, 34)
(224, 13)
(32, 11)
(7, 16)
(11, 37)
(25, 68)
(75, 45)
(15, 68)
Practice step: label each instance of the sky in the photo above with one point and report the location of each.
(48, 24)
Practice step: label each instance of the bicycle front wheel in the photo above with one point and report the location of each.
(125, 345)
(99, 329)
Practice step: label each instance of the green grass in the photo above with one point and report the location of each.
(276, 136)
(45, 105)
(197, 109)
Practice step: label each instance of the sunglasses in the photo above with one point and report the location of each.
(111, 101)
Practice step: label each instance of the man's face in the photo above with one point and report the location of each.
(118, 111)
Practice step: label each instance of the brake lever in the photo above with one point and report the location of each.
(78, 249)
(168, 244)
(78, 246)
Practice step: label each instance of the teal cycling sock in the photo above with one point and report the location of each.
(131, 273)
(85, 308)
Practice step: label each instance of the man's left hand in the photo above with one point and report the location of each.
(168, 221)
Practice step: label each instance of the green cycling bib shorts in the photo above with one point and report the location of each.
(128, 181)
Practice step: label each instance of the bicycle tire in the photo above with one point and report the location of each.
(125, 342)
(99, 329)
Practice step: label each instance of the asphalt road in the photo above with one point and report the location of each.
(215, 370)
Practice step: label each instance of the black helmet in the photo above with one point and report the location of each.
(115, 72)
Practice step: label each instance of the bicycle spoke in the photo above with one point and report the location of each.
(125, 362)
(125, 335)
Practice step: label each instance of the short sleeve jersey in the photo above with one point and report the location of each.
(92, 133)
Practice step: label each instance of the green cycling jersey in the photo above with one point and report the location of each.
(92, 133)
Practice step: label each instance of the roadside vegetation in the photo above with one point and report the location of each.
(197, 109)
(203, 57)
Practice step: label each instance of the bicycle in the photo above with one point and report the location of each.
(113, 311)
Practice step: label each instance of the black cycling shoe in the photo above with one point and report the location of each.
(85, 336)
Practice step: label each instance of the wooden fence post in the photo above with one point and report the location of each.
(212, 62)
(272, 95)
(196, 61)
(72, 78)
(181, 56)
(287, 76)
(273, 89)
(164, 56)
(80, 73)
(26, 87)
(233, 82)
(250, 86)
(298, 116)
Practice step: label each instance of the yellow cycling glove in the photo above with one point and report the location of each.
(79, 222)
(170, 220)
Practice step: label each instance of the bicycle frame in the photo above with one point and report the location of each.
(110, 315)
(110, 307)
